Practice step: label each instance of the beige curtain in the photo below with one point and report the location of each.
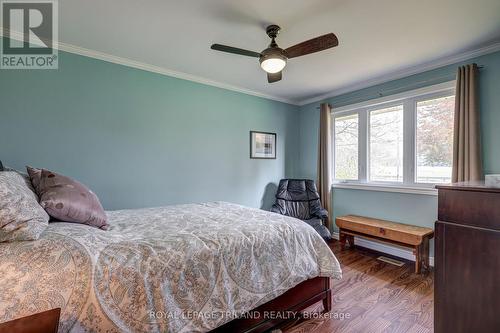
(324, 159)
(467, 164)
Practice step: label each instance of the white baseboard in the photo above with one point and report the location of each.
(385, 248)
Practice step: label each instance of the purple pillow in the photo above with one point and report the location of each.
(67, 200)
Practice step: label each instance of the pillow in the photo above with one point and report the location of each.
(66, 199)
(21, 217)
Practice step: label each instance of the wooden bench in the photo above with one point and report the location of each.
(416, 238)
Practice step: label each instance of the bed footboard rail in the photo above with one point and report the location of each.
(283, 308)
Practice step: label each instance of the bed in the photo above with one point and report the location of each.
(182, 268)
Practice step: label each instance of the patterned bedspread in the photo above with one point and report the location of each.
(183, 268)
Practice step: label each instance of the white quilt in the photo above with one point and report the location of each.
(184, 268)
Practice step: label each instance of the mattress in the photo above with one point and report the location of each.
(179, 268)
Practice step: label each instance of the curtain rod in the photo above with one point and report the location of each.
(387, 92)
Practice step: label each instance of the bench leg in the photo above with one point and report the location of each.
(422, 256)
(342, 239)
(418, 254)
(350, 240)
(425, 254)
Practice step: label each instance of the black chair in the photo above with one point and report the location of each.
(299, 198)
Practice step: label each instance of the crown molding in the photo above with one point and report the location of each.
(166, 71)
(152, 68)
(495, 47)
(336, 92)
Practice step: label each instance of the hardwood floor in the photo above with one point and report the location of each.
(374, 296)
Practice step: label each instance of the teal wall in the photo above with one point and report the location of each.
(141, 139)
(406, 208)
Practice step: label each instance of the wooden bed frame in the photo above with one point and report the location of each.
(296, 299)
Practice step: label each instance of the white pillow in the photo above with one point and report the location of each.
(21, 216)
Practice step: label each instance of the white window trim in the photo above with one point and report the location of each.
(386, 188)
(441, 87)
(409, 100)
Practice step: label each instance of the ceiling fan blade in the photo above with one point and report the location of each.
(234, 50)
(273, 77)
(312, 45)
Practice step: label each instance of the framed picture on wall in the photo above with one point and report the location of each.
(262, 145)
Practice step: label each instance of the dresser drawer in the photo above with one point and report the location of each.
(467, 271)
(475, 208)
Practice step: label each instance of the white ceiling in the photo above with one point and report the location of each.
(377, 37)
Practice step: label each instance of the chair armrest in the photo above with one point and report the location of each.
(322, 214)
(275, 209)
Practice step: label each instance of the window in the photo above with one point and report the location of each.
(403, 140)
(346, 147)
(386, 144)
(434, 136)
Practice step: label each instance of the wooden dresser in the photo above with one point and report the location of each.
(467, 259)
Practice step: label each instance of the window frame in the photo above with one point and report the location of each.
(368, 136)
(408, 100)
(334, 116)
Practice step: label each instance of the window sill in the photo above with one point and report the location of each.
(387, 188)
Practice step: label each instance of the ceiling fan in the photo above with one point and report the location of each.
(273, 59)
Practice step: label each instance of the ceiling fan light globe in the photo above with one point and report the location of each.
(273, 65)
